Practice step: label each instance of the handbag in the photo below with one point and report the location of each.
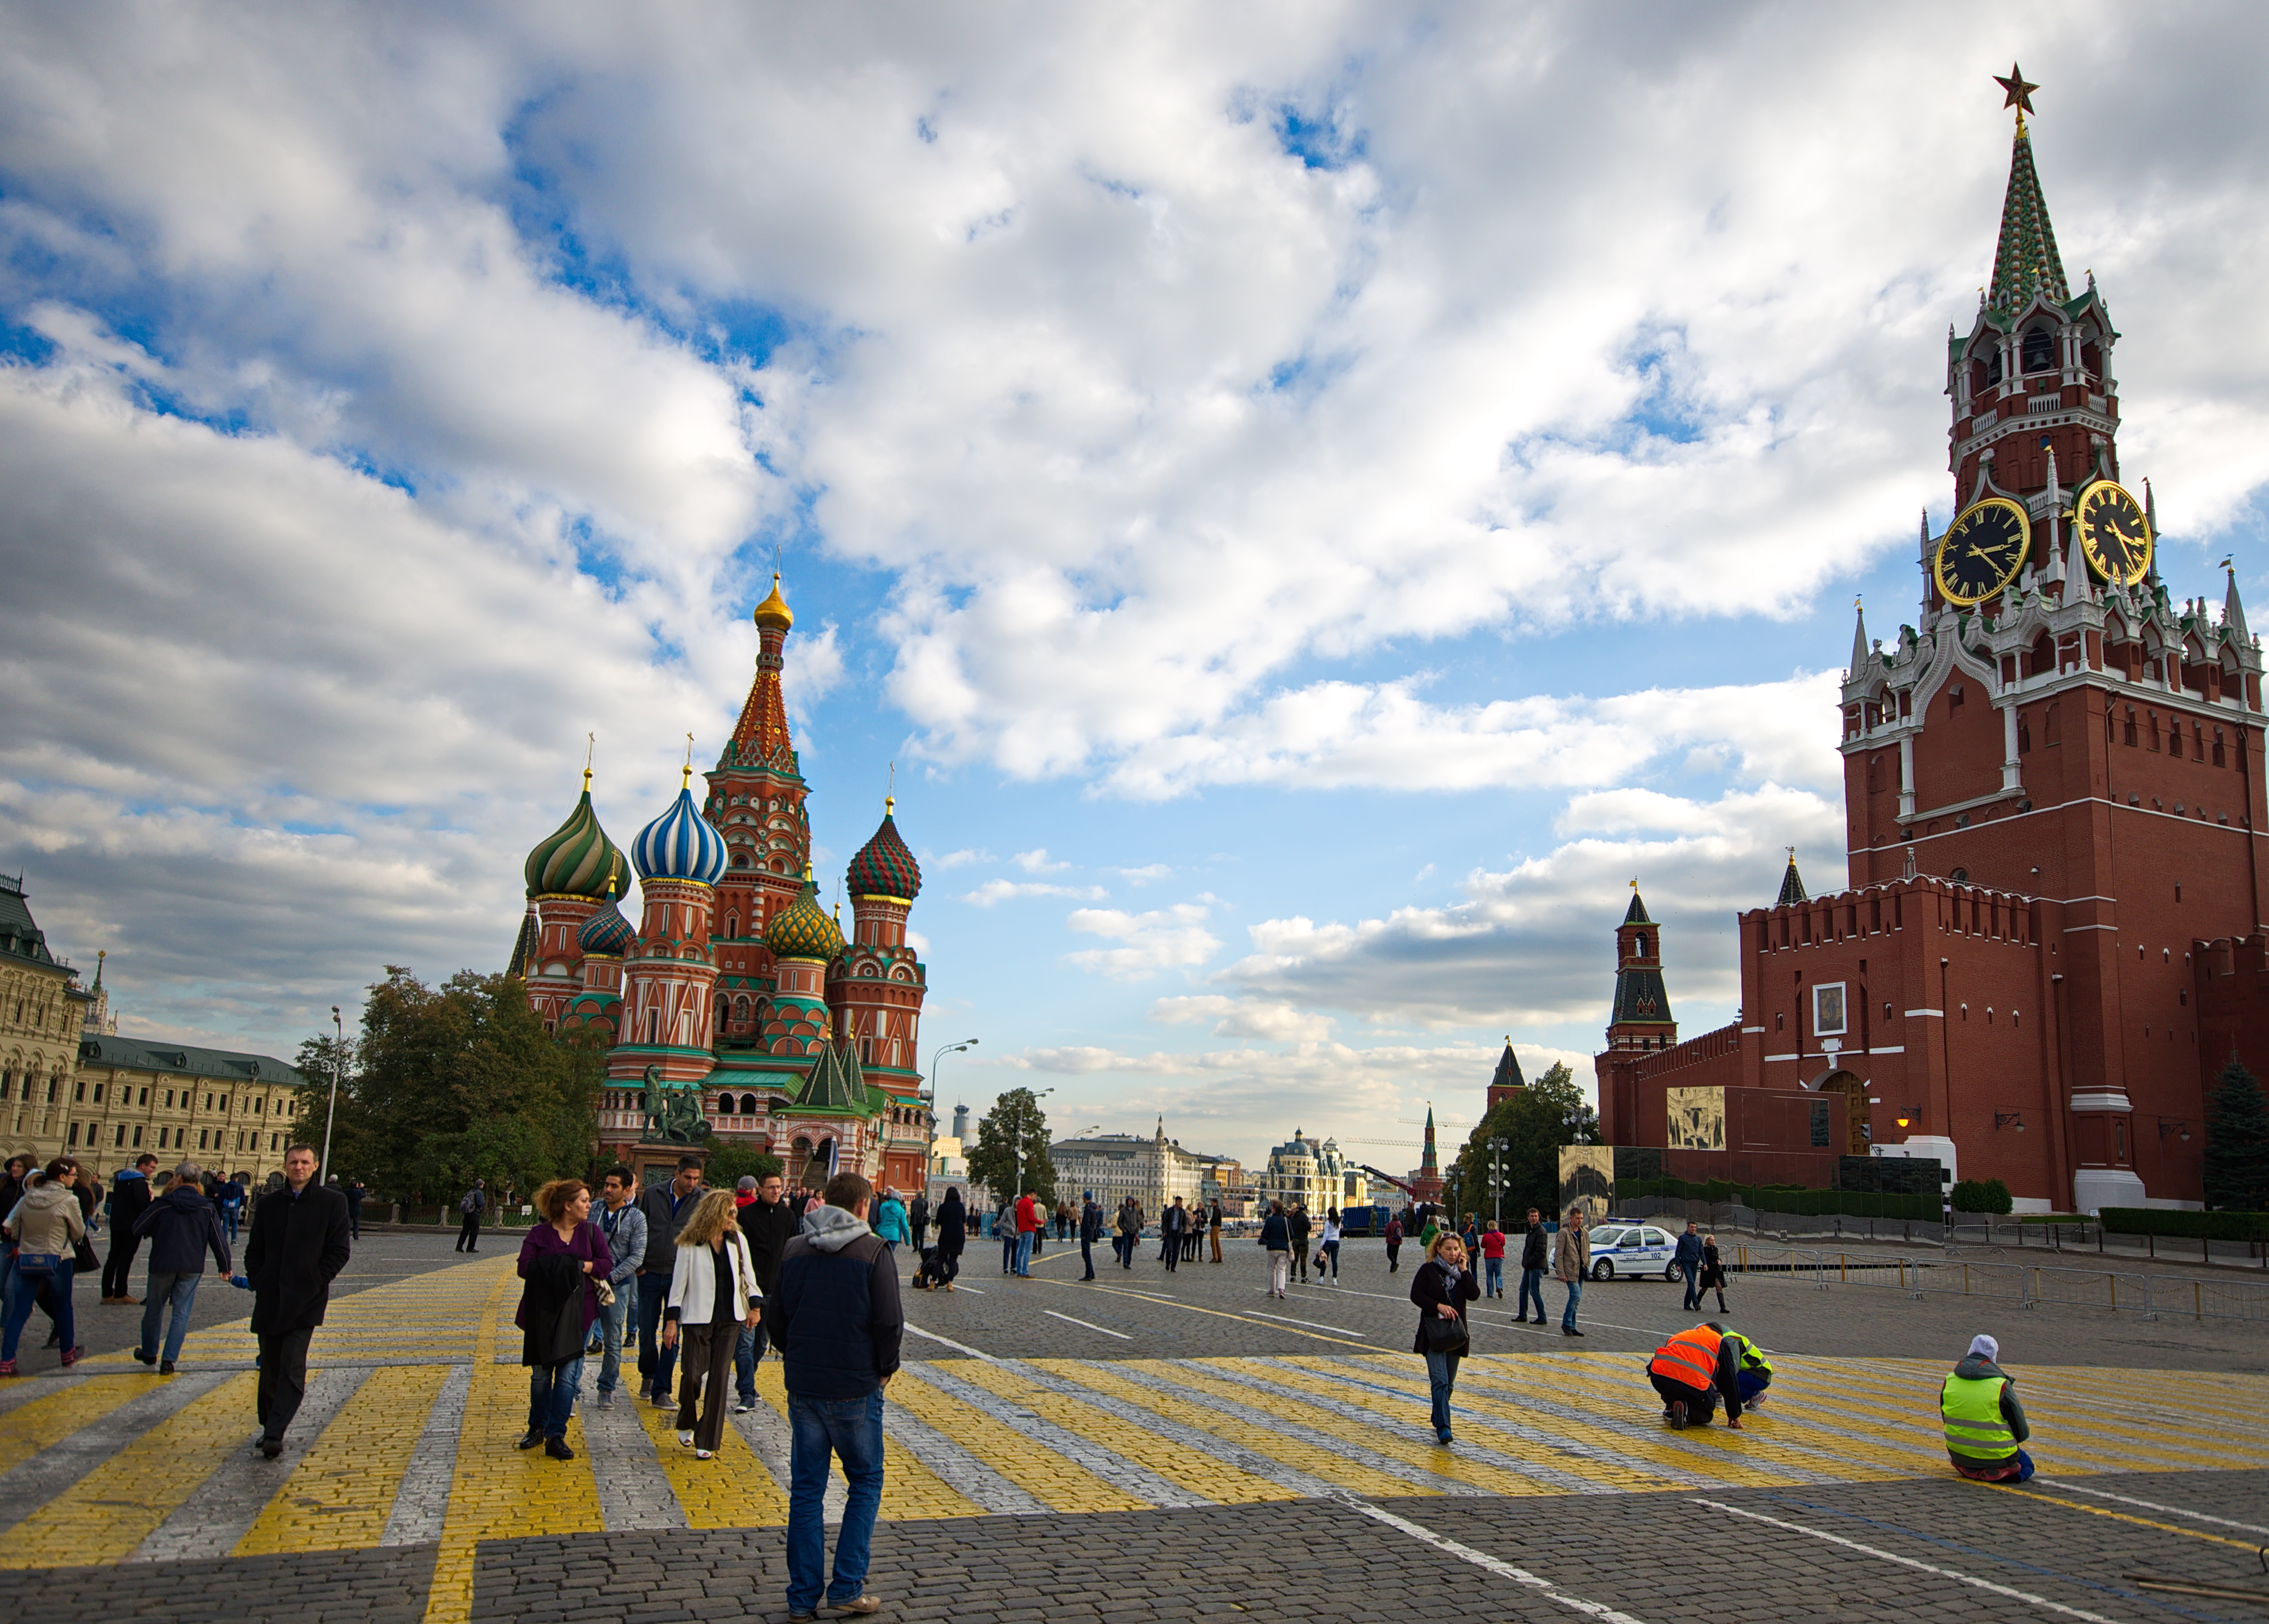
(605, 1293)
(42, 1264)
(83, 1256)
(1446, 1334)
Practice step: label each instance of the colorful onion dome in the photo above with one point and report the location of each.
(606, 930)
(773, 611)
(576, 859)
(680, 845)
(802, 929)
(884, 866)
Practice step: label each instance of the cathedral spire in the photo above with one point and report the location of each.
(761, 737)
(2025, 257)
(2233, 620)
(1792, 884)
(1858, 637)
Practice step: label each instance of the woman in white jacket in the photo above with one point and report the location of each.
(712, 1294)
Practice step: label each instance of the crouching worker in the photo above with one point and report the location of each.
(1985, 1423)
(1693, 1370)
(1755, 1373)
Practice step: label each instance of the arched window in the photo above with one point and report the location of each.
(724, 1105)
(732, 927)
(747, 1105)
(2040, 351)
(1994, 364)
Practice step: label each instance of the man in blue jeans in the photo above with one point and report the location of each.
(623, 1225)
(837, 1321)
(666, 1208)
(1532, 1256)
(1571, 1259)
(1688, 1260)
(183, 1228)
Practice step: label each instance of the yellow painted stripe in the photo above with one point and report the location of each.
(101, 1518)
(1316, 1461)
(2248, 1545)
(498, 1491)
(339, 1496)
(911, 1491)
(1055, 1481)
(1283, 1399)
(49, 1418)
(1217, 1481)
(731, 1491)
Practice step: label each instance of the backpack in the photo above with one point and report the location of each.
(471, 1203)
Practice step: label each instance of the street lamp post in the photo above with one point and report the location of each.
(338, 1059)
(1497, 1148)
(929, 1144)
(1017, 1154)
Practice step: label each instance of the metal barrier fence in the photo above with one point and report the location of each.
(2019, 1284)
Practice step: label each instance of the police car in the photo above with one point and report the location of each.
(1634, 1250)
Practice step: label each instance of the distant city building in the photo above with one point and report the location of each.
(1425, 1180)
(1154, 1170)
(1313, 1172)
(1507, 1082)
(70, 1085)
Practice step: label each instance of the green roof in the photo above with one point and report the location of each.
(159, 1055)
(2025, 257)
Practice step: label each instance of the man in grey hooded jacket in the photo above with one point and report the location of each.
(838, 1323)
(1984, 1422)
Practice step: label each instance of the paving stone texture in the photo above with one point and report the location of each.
(1165, 1446)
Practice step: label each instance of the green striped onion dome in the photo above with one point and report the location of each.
(576, 859)
(803, 930)
(885, 867)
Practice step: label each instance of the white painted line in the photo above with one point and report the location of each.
(959, 1348)
(1908, 1562)
(1068, 1320)
(2151, 1505)
(1503, 1570)
(1314, 1325)
(971, 1290)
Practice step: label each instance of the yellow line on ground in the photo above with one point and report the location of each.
(1314, 1460)
(911, 1491)
(731, 1491)
(1217, 1480)
(2247, 1546)
(339, 1496)
(52, 1417)
(498, 1491)
(1058, 1483)
(101, 1518)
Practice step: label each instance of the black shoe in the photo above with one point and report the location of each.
(1569, 1331)
(1675, 1414)
(166, 1367)
(270, 1448)
(532, 1438)
(556, 1448)
(1520, 1319)
(146, 1358)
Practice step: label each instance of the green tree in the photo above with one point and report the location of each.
(349, 1128)
(1011, 1154)
(453, 1083)
(1534, 1122)
(729, 1163)
(2238, 1142)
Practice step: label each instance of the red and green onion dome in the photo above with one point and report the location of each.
(885, 867)
(606, 930)
(802, 929)
(576, 859)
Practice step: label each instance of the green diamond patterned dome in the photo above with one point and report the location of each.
(576, 859)
(803, 930)
(885, 867)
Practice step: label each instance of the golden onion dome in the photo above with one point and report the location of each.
(773, 611)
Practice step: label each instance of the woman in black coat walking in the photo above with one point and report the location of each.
(1713, 1271)
(1442, 1287)
(952, 1235)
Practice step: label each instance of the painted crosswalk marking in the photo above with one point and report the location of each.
(417, 1400)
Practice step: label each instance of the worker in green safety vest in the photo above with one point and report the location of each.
(1755, 1373)
(1984, 1422)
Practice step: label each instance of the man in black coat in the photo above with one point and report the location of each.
(130, 1198)
(183, 1228)
(769, 1223)
(917, 1219)
(301, 1241)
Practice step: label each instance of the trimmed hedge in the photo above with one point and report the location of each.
(1793, 1199)
(2193, 1226)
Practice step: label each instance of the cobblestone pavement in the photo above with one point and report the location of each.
(1156, 1445)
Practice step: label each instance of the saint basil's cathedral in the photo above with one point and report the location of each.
(735, 987)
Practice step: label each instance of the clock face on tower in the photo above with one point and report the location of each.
(1982, 551)
(2114, 533)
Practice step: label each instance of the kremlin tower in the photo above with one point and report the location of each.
(735, 985)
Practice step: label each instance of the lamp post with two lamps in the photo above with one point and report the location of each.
(929, 1143)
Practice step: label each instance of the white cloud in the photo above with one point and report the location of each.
(1149, 873)
(1533, 946)
(1167, 938)
(961, 859)
(1237, 1017)
(1009, 891)
(1036, 861)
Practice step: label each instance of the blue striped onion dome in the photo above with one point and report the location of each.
(885, 867)
(606, 930)
(802, 929)
(680, 845)
(576, 859)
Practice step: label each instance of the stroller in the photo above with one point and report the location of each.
(927, 1277)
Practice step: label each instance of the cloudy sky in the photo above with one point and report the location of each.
(1313, 499)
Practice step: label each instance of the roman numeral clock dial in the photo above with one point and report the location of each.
(2115, 534)
(1982, 551)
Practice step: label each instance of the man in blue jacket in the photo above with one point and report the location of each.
(1688, 1260)
(182, 1227)
(836, 1321)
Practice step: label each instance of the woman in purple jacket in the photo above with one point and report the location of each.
(561, 1259)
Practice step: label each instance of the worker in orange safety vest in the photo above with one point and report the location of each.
(1692, 1369)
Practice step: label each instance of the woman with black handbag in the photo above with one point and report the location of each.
(1442, 1287)
(47, 1227)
